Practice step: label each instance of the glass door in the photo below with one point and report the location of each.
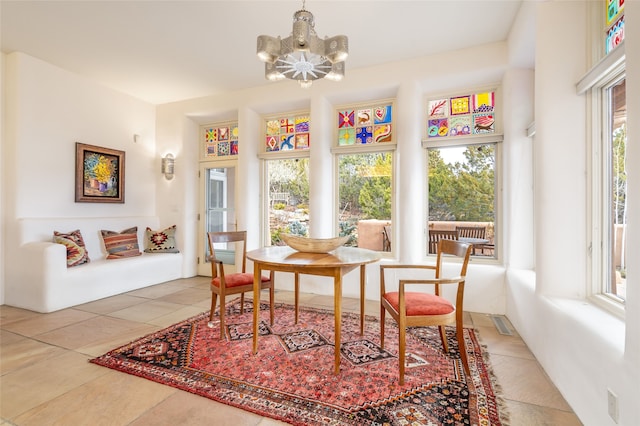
(217, 212)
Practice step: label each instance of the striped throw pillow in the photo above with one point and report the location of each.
(121, 244)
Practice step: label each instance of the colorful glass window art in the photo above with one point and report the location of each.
(614, 23)
(365, 125)
(470, 114)
(288, 132)
(220, 140)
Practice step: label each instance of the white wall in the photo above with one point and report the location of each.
(48, 110)
(584, 349)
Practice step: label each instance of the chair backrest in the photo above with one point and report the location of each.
(435, 235)
(448, 249)
(471, 231)
(237, 238)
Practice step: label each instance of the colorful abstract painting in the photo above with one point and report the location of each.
(302, 141)
(460, 125)
(346, 137)
(438, 108)
(438, 127)
(483, 123)
(346, 119)
(483, 102)
(382, 133)
(382, 114)
(272, 127)
(217, 137)
(614, 10)
(287, 132)
(272, 144)
(287, 142)
(287, 125)
(364, 117)
(460, 105)
(615, 35)
(468, 115)
(302, 124)
(364, 135)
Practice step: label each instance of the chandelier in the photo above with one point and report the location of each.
(303, 56)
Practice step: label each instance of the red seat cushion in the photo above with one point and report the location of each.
(421, 303)
(235, 280)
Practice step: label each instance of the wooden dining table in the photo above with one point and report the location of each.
(336, 264)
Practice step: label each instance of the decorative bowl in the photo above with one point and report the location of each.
(313, 245)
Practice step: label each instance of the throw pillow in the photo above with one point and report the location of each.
(121, 244)
(76, 251)
(160, 241)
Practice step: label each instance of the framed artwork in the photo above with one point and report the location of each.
(99, 174)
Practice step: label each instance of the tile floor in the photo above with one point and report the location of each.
(46, 379)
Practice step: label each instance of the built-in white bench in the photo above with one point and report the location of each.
(38, 278)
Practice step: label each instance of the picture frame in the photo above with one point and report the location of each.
(99, 174)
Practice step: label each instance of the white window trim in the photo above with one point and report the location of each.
(608, 70)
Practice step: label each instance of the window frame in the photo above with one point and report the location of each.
(381, 147)
(266, 156)
(612, 70)
(496, 138)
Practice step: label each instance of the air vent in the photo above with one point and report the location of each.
(501, 325)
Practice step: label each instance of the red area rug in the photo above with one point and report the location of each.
(291, 377)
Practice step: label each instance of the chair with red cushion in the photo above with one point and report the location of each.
(238, 282)
(412, 308)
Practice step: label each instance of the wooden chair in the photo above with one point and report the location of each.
(435, 235)
(236, 283)
(411, 309)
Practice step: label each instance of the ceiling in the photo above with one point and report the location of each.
(165, 51)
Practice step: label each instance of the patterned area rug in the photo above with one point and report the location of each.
(291, 377)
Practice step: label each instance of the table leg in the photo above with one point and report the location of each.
(362, 280)
(337, 308)
(296, 290)
(257, 273)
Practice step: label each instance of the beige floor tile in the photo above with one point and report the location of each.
(503, 345)
(88, 332)
(110, 342)
(187, 296)
(111, 304)
(177, 316)
(44, 323)
(16, 354)
(148, 311)
(185, 409)
(522, 414)
(9, 315)
(31, 386)
(159, 290)
(523, 380)
(113, 399)
(7, 337)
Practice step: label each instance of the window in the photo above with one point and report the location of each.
(286, 154)
(288, 189)
(609, 190)
(364, 154)
(605, 86)
(462, 146)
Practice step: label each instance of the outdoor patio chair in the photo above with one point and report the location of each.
(238, 282)
(435, 235)
(412, 308)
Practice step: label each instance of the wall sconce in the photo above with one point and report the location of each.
(168, 165)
